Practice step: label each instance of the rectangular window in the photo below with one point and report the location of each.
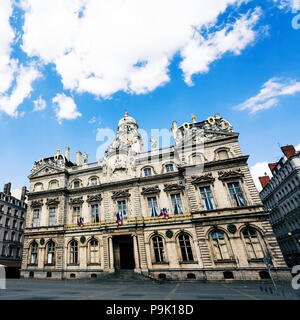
(207, 198)
(236, 194)
(169, 168)
(35, 220)
(3, 250)
(122, 209)
(0, 220)
(95, 213)
(18, 252)
(76, 214)
(7, 222)
(153, 207)
(21, 225)
(16, 213)
(8, 210)
(52, 216)
(147, 172)
(14, 224)
(176, 203)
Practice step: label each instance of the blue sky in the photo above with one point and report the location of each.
(81, 72)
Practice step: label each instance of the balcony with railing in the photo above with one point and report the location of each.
(130, 222)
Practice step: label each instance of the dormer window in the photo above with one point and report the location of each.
(223, 155)
(53, 185)
(147, 172)
(169, 167)
(94, 181)
(76, 184)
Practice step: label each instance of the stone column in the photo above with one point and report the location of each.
(136, 253)
(111, 254)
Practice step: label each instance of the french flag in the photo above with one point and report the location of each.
(80, 222)
(119, 220)
(164, 212)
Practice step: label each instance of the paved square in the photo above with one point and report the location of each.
(34, 289)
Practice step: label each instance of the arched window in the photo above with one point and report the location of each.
(33, 253)
(94, 251)
(222, 155)
(185, 247)
(73, 252)
(53, 184)
(158, 248)
(76, 184)
(196, 159)
(219, 245)
(94, 181)
(253, 244)
(51, 252)
(38, 187)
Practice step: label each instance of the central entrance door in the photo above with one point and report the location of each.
(123, 252)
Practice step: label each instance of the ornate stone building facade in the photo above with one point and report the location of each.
(188, 211)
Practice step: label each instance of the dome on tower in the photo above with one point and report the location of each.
(127, 120)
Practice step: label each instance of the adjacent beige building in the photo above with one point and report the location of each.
(214, 226)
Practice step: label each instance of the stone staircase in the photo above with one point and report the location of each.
(124, 275)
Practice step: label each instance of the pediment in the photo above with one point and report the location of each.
(78, 200)
(121, 194)
(94, 198)
(44, 170)
(231, 174)
(36, 203)
(173, 187)
(207, 178)
(150, 190)
(52, 202)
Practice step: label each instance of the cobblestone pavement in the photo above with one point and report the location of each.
(34, 289)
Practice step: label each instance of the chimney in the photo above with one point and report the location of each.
(272, 165)
(67, 153)
(5, 188)
(264, 180)
(23, 194)
(8, 186)
(288, 151)
(78, 158)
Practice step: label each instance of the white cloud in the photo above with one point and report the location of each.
(200, 52)
(39, 104)
(9, 103)
(93, 120)
(259, 170)
(269, 94)
(65, 108)
(290, 4)
(297, 147)
(7, 66)
(102, 47)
